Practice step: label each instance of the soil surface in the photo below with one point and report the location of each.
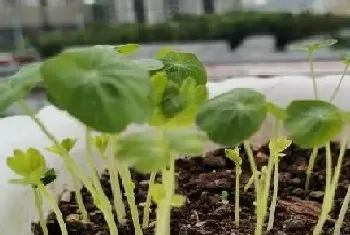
(202, 181)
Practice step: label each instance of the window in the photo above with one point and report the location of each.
(208, 6)
(172, 7)
(139, 8)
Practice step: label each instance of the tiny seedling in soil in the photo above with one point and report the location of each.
(233, 154)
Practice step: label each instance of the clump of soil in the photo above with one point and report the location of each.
(202, 181)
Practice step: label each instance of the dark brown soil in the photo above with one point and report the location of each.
(202, 180)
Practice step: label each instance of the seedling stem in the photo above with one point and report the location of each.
(39, 207)
(146, 210)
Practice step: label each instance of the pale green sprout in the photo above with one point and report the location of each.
(342, 213)
(277, 145)
(32, 167)
(233, 154)
(224, 198)
(250, 182)
(67, 145)
(332, 180)
(101, 143)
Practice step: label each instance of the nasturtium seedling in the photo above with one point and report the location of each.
(312, 46)
(158, 193)
(312, 123)
(29, 164)
(19, 85)
(67, 144)
(232, 117)
(127, 49)
(102, 89)
(179, 66)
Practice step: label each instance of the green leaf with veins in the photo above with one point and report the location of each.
(102, 89)
(312, 123)
(145, 151)
(314, 45)
(127, 48)
(30, 165)
(19, 85)
(163, 52)
(232, 117)
(179, 66)
(149, 64)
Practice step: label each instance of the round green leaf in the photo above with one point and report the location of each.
(100, 88)
(150, 64)
(19, 85)
(312, 123)
(314, 45)
(179, 66)
(233, 117)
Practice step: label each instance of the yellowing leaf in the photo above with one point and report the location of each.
(278, 145)
(233, 154)
(101, 142)
(29, 164)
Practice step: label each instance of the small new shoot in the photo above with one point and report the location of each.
(68, 144)
(233, 154)
(31, 166)
(277, 145)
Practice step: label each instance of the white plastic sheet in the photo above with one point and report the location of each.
(17, 209)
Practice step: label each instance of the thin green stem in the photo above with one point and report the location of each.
(253, 167)
(90, 161)
(117, 194)
(339, 84)
(328, 167)
(274, 198)
(75, 170)
(328, 197)
(53, 204)
(339, 162)
(80, 201)
(314, 83)
(238, 173)
(259, 224)
(146, 210)
(39, 207)
(310, 168)
(342, 213)
(163, 225)
(130, 196)
(249, 183)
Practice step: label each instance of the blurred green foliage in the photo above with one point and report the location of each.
(233, 27)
